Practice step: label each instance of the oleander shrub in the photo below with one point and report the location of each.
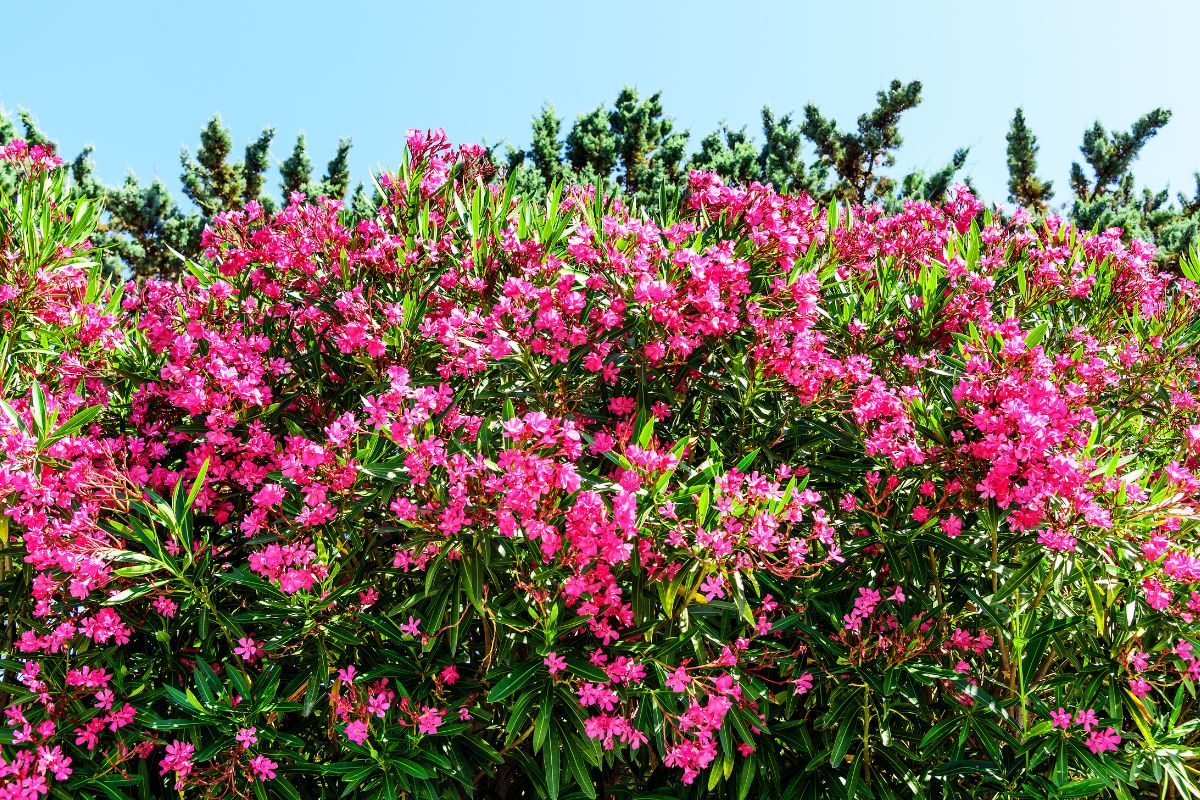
(483, 497)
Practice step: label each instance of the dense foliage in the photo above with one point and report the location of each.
(481, 496)
(634, 149)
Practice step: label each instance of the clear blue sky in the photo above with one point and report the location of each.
(139, 79)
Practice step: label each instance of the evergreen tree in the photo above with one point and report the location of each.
(362, 204)
(336, 182)
(1025, 188)
(143, 232)
(7, 178)
(1111, 156)
(210, 180)
(634, 147)
(650, 151)
(1182, 234)
(932, 188)
(8, 132)
(546, 150)
(1110, 198)
(780, 162)
(33, 134)
(730, 154)
(524, 176)
(258, 158)
(148, 231)
(592, 148)
(858, 157)
(296, 172)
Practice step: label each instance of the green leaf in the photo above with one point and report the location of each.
(37, 407)
(518, 677)
(1099, 608)
(551, 757)
(1036, 335)
(196, 485)
(411, 767)
(745, 778)
(841, 743)
(747, 460)
(941, 731)
(541, 727)
(578, 765)
(76, 423)
(1087, 787)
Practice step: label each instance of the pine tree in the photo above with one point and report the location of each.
(296, 172)
(258, 159)
(650, 151)
(931, 188)
(546, 150)
(634, 148)
(1182, 234)
(144, 232)
(336, 182)
(7, 177)
(362, 204)
(8, 132)
(858, 157)
(210, 180)
(33, 134)
(730, 154)
(592, 148)
(780, 162)
(148, 231)
(1025, 188)
(1111, 156)
(1110, 199)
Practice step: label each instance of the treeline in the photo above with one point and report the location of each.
(635, 148)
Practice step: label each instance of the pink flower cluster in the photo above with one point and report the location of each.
(398, 429)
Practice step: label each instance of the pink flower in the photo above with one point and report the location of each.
(678, 680)
(430, 720)
(554, 662)
(803, 684)
(357, 731)
(1157, 596)
(165, 606)
(1061, 718)
(52, 760)
(264, 768)
(248, 649)
(449, 675)
(951, 526)
(1101, 741)
(271, 494)
(178, 758)
(713, 586)
(246, 737)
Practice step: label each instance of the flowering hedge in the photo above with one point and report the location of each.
(481, 497)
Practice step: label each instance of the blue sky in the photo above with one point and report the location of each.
(139, 79)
